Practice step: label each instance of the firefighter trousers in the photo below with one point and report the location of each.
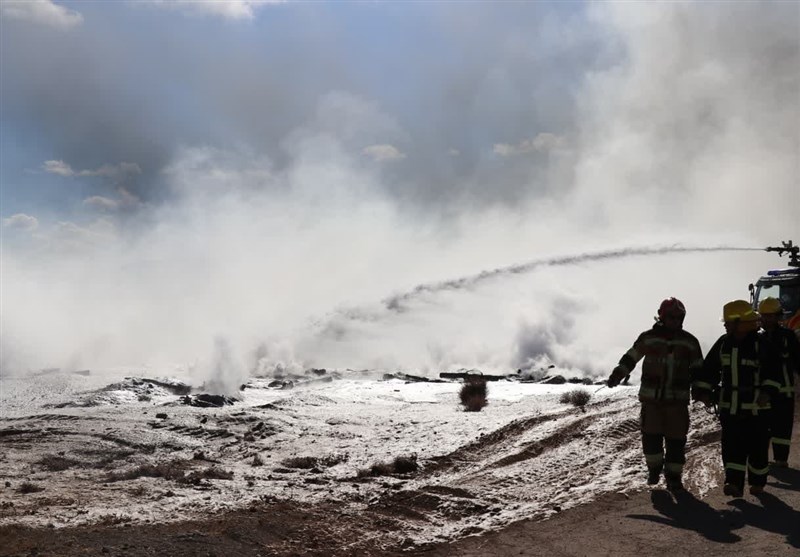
(781, 424)
(745, 448)
(665, 424)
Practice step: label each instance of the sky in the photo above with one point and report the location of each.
(240, 186)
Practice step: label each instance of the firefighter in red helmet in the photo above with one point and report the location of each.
(672, 359)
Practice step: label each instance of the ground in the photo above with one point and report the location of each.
(532, 482)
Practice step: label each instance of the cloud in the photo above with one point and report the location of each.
(383, 152)
(209, 171)
(541, 143)
(74, 237)
(58, 167)
(114, 172)
(21, 221)
(100, 202)
(126, 200)
(227, 9)
(42, 12)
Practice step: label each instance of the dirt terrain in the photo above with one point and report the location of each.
(653, 522)
(575, 474)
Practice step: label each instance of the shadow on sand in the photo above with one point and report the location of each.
(785, 478)
(689, 513)
(773, 515)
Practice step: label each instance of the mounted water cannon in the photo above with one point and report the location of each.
(792, 250)
(782, 284)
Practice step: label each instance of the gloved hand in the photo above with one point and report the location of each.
(613, 380)
(763, 399)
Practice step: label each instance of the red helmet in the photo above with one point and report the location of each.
(671, 306)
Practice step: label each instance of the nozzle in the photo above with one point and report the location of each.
(790, 249)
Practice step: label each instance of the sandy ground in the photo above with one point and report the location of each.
(449, 494)
(653, 522)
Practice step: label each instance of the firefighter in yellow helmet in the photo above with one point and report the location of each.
(672, 357)
(743, 367)
(788, 349)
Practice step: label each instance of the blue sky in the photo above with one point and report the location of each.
(129, 82)
(172, 173)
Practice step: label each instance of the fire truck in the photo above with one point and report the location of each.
(783, 284)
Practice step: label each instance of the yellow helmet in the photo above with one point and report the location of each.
(740, 310)
(770, 305)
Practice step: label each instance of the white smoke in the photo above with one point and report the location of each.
(252, 270)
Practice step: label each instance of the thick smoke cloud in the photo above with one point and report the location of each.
(138, 97)
(335, 230)
(701, 115)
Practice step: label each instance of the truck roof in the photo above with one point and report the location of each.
(780, 276)
(784, 271)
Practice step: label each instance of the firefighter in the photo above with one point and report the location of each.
(788, 347)
(793, 324)
(742, 366)
(672, 357)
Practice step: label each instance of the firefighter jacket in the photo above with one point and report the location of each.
(794, 323)
(740, 371)
(788, 347)
(671, 360)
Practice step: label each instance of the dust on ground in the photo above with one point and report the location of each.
(524, 477)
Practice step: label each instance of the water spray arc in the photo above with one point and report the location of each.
(389, 329)
(397, 302)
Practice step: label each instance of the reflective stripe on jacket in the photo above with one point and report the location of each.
(741, 371)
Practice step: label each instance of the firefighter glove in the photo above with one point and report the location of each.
(763, 399)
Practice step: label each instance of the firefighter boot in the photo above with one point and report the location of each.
(653, 475)
(732, 490)
(674, 483)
